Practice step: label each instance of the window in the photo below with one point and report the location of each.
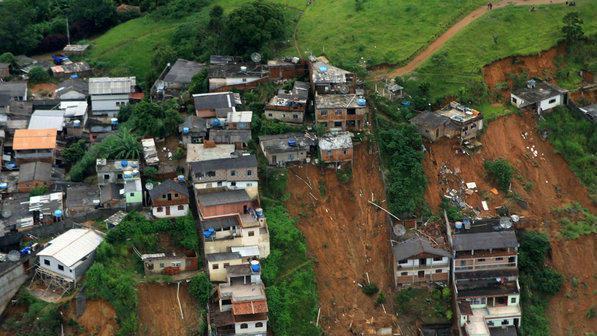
(269, 115)
(226, 265)
(60, 267)
(338, 112)
(513, 300)
(181, 207)
(249, 172)
(295, 116)
(106, 176)
(249, 184)
(421, 274)
(161, 265)
(215, 266)
(176, 263)
(438, 271)
(403, 261)
(233, 173)
(512, 259)
(164, 196)
(337, 124)
(119, 176)
(514, 100)
(437, 258)
(462, 262)
(175, 195)
(199, 175)
(132, 194)
(477, 301)
(505, 322)
(226, 302)
(551, 101)
(499, 259)
(344, 151)
(211, 173)
(244, 326)
(259, 325)
(244, 81)
(404, 273)
(481, 260)
(46, 262)
(329, 153)
(233, 184)
(251, 233)
(323, 112)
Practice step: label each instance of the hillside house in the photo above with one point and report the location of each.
(193, 130)
(287, 68)
(75, 117)
(453, 121)
(485, 277)
(239, 76)
(240, 304)
(72, 89)
(342, 111)
(109, 94)
(14, 91)
(211, 105)
(287, 148)
(169, 263)
(328, 79)
(67, 70)
(169, 199)
(232, 173)
(245, 233)
(69, 255)
(289, 105)
(224, 203)
(119, 182)
(81, 200)
(34, 175)
(539, 96)
(218, 263)
(417, 261)
(175, 79)
(336, 147)
(239, 138)
(75, 49)
(43, 119)
(239, 120)
(32, 145)
(209, 150)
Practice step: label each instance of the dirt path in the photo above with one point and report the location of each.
(347, 237)
(159, 313)
(549, 184)
(388, 72)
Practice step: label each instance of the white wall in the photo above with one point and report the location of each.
(251, 328)
(227, 184)
(174, 212)
(107, 103)
(430, 262)
(516, 101)
(546, 105)
(66, 272)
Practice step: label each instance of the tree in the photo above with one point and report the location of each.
(200, 288)
(155, 119)
(74, 152)
(38, 75)
(8, 57)
(91, 16)
(18, 33)
(572, 29)
(500, 171)
(121, 145)
(252, 26)
(216, 19)
(199, 83)
(163, 55)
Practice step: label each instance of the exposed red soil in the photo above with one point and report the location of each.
(347, 237)
(553, 185)
(99, 318)
(159, 313)
(43, 89)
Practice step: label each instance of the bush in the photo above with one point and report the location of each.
(200, 288)
(74, 152)
(500, 172)
(38, 191)
(381, 299)
(370, 289)
(38, 75)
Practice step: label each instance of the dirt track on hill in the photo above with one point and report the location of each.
(553, 185)
(391, 72)
(347, 237)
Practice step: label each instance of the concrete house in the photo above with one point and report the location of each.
(193, 130)
(239, 120)
(119, 182)
(169, 263)
(485, 277)
(287, 68)
(69, 255)
(539, 96)
(328, 79)
(109, 94)
(14, 90)
(209, 150)
(335, 147)
(286, 148)
(240, 138)
(240, 304)
(224, 203)
(246, 234)
(416, 261)
(169, 199)
(289, 105)
(72, 89)
(175, 79)
(343, 111)
(231, 173)
(33, 175)
(453, 121)
(32, 145)
(218, 264)
(208, 105)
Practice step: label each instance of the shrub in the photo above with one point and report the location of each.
(381, 299)
(38, 191)
(370, 289)
(38, 75)
(200, 288)
(500, 172)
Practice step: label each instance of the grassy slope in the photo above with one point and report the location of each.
(128, 48)
(384, 31)
(517, 31)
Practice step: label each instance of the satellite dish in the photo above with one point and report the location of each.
(256, 57)
(149, 186)
(14, 255)
(505, 222)
(399, 230)
(343, 89)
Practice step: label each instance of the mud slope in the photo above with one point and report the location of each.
(347, 238)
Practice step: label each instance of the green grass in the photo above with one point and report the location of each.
(384, 31)
(503, 32)
(494, 111)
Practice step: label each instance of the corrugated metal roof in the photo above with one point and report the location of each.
(72, 246)
(42, 119)
(108, 85)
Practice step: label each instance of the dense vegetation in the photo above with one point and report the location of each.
(287, 272)
(573, 136)
(39, 319)
(500, 172)
(115, 273)
(539, 282)
(428, 305)
(576, 221)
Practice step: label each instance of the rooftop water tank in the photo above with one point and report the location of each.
(186, 130)
(243, 68)
(124, 163)
(133, 165)
(323, 68)
(76, 123)
(180, 178)
(259, 212)
(3, 185)
(74, 76)
(135, 172)
(361, 102)
(215, 122)
(292, 142)
(58, 213)
(458, 225)
(114, 121)
(128, 175)
(406, 103)
(255, 266)
(209, 232)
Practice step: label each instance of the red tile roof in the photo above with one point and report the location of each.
(249, 307)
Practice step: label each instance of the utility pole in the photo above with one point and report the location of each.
(67, 32)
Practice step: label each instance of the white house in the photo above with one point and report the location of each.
(169, 199)
(109, 94)
(69, 255)
(538, 95)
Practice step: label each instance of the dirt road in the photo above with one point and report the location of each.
(549, 184)
(389, 72)
(159, 313)
(348, 239)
